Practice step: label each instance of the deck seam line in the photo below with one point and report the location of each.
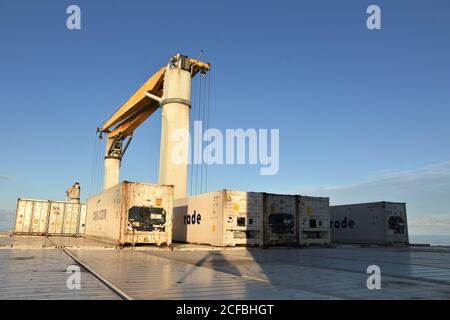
(112, 287)
(109, 285)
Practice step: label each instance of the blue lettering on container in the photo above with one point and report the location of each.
(195, 218)
(343, 224)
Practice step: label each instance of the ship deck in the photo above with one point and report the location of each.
(36, 268)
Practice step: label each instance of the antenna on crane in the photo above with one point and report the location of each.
(200, 54)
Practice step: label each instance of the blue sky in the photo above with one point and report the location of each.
(363, 115)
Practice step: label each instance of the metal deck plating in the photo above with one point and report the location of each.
(35, 268)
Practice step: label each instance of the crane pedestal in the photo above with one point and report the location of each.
(113, 158)
(174, 147)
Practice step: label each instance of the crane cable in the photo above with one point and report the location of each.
(191, 121)
(205, 127)
(202, 117)
(201, 108)
(208, 125)
(198, 117)
(100, 170)
(194, 116)
(97, 166)
(93, 164)
(95, 169)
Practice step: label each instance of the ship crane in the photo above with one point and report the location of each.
(73, 193)
(170, 89)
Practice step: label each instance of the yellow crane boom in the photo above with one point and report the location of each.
(140, 106)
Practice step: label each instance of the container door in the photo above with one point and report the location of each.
(39, 217)
(396, 223)
(70, 223)
(23, 216)
(43, 224)
(27, 217)
(56, 218)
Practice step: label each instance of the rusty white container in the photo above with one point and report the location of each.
(46, 217)
(280, 219)
(31, 217)
(221, 218)
(313, 221)
(131, 213)
(371, 223)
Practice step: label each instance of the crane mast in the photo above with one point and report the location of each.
(170, 89)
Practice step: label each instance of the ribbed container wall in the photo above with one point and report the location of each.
(47, 217)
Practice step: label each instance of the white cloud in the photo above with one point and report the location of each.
(425, 190)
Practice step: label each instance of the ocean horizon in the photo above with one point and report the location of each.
(434, 240)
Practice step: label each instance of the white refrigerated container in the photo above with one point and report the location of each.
(131, 213)
(31, 217)
(221, 218)
(372, 223)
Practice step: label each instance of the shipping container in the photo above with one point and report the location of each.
(314, 220)
(47, 217)
(221, 218)
(31, 217)
(131, 213)
(371, 223)
(280, 219)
